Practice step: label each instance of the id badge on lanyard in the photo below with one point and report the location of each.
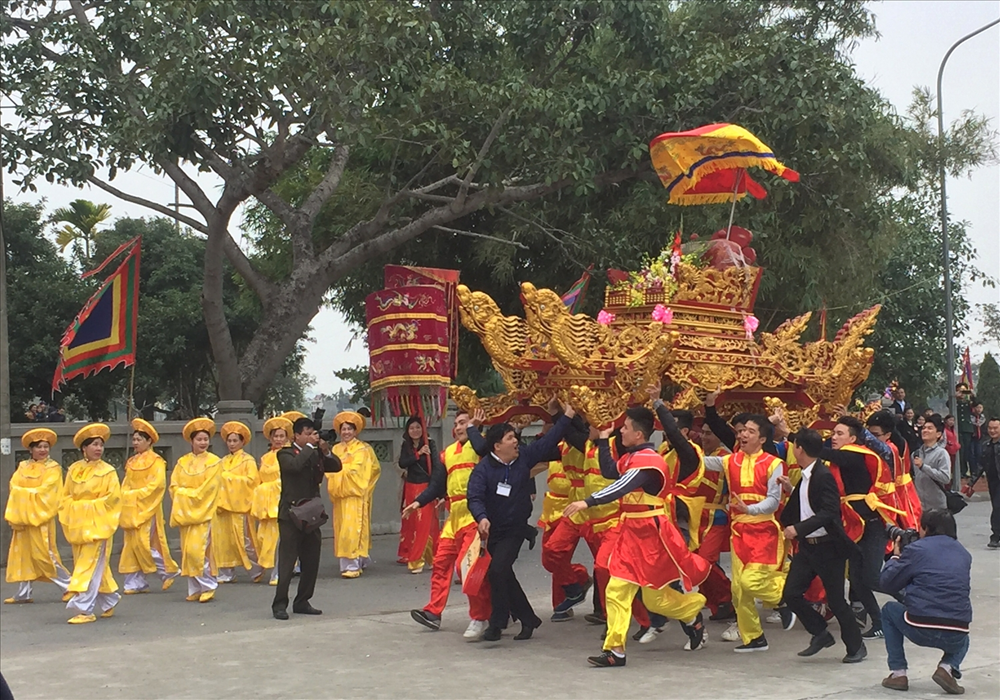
(503, 488)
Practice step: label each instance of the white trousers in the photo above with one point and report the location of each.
(24, 590)
(137, 581)
(206, 582)
(356, 564)
(92, 601)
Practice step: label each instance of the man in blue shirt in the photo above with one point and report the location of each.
(499, 497)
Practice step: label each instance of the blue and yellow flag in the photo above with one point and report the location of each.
(103, 334)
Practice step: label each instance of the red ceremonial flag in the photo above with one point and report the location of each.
(967, 369)
(103, 334)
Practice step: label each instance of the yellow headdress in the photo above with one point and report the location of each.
(139, 425)
(352, 417)
(234, 426)
(278, 422)
(196, 424)
(293, 416)
(93, 430)
(37, 435)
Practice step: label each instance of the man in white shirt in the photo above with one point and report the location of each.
(812, 519)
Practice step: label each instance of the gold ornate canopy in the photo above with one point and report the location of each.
(602, 369)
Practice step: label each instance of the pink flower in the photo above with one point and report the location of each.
(750, 324)
(604, 318)
(663, 314)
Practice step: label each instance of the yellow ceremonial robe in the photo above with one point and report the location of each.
(238, 479)
(32, 507)
(264, 509)
(142, 522)
(89, 510)
(351, 492)
(194, 490)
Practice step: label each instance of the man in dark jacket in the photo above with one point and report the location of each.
(302, 466)
(934, 574)
(989, 465)
(812, 518)
(499, 497)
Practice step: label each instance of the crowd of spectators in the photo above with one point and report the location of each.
(42, 412)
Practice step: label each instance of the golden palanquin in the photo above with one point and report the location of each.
(603, 369)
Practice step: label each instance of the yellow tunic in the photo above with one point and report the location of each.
(351, 492)
(32, 507)
(264, 509)
(142, 515)
(89, 510)
(238, 474)
(194, 490)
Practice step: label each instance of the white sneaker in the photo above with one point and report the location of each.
(774, 618)
(651, 634)
(732, 633)
(704, 642)
(475, 629)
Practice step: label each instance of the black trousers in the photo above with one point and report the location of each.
(506, 594)
(866, 567)
(825, 560)
(993, 482)
(293, 544)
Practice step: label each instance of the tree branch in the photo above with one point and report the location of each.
(197, 196)
(159, 208)
(328, 185)
(473, 234)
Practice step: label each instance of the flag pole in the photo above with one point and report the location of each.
(131, 389)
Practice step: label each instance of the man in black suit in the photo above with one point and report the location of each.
(899, 404)
(812, 518)
(302, 466)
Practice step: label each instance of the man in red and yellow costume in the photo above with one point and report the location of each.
(882, 425)
(713, 530)
(649, 552)
(449, 481)
(756, 548)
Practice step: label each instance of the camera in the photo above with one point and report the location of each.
(905, 535)
(328, 436)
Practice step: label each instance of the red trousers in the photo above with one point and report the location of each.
(420, 527)
(558, 545)
(717, 588)
(602, 576)
(445, 556)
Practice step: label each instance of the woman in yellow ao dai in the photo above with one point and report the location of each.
(89, 510)
(232, 534)
(145, 549)
(264, 507)
(351, 492)
(194, 491)
(32, 507)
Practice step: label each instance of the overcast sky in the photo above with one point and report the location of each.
(914, 38)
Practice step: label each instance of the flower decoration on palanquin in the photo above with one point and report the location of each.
(663, 314)
(605, 318)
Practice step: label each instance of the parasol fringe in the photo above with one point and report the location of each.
(765, 161)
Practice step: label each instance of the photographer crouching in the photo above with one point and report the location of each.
(933, 573)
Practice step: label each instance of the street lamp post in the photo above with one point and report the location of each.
(948, 312)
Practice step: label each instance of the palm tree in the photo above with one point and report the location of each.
(81, 219)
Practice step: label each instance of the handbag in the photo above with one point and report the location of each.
(308, 514)
(956, 501)
(473, 565)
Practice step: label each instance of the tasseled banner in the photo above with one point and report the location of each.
(404, 401)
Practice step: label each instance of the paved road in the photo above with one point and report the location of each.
(366, 645)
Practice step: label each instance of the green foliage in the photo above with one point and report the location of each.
(988, 386)
(989, 315)
(44, 295)
(82, 219)
(359, 390)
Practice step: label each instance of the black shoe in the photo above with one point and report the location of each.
(492, 634)
(994, 544)
(862, 617)
(525, 632)
(280, 614)
(595, 619)
(607, 660)
(759, 644)
(788, 618)
(307, 610)
(818, 643)
(696, 634)
(874, 633)
(574, 597)
(858, 656)
(427, 619)
(726, 611)
(638, 635)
